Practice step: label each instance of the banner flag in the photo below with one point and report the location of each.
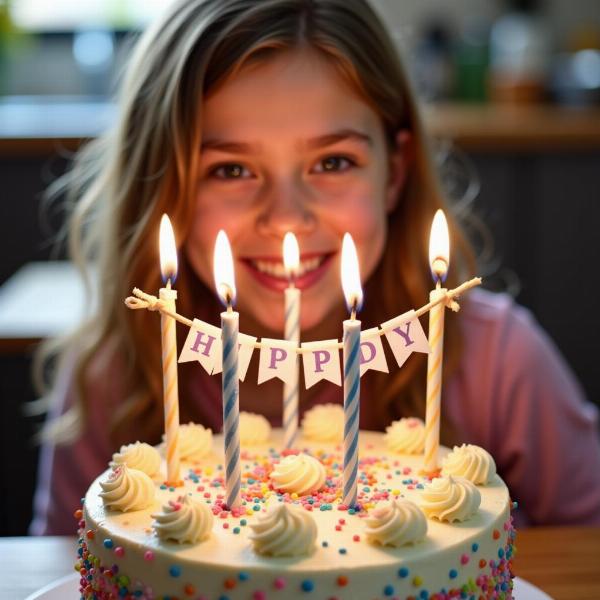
(277, 359)
(203, 344)
(322, 362)
(405, 335)
(372, 355)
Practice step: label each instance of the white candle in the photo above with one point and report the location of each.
(291, 260)
(225, 284)
(168, 267)
(439, 259)
(353, 294)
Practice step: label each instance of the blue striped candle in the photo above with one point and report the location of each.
(351, 408)
(231, 406)
(290, 390)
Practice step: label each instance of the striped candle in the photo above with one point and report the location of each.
(231, 407)
(434, 381)
(170, 389)
(351, 409)
(291, 390)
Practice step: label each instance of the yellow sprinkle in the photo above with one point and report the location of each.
(249, 512)
(395, 492)
(208, 470)
(294, 496)
(417, 581)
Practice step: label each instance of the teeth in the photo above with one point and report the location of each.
(276, 269)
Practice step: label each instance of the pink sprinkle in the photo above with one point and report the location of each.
(148, 555)
(207, 494)
(200, 488)
(223, 514)
(225, 525)
(464, 559)
(342, 521)
(280, 583)
(356, 538)
(338, 527)
(406, 471)
(119, 551)
(259, 595)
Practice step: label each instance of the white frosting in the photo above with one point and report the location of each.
(285, 530)
(184, 520)
(396, 524)
(299, 473)
(471, 462)
(254, 429)
(140, 456)
(406, 436)
(127, 489)
(324, 423)
(194, 442)
(450, 499)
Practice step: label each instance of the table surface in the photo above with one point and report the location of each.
(562, 561)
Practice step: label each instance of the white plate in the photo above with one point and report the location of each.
(68, 587)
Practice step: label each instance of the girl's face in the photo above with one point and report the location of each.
(287, 145)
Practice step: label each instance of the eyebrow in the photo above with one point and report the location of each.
(320, 141)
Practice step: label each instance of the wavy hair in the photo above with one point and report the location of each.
(146, 165)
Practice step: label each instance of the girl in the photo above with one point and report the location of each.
(275, 116)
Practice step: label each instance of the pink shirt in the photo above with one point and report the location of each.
(513, 395)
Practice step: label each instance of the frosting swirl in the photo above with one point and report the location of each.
(285, 530)
(184, 520)
(127, 489)
(406, 436)
(194, 442)
(450, 499)
(299, 473)
(324, 423)
(471, 462)
(396, 523)
(254, 429)
(140, 456)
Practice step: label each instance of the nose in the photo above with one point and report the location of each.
(286, 207)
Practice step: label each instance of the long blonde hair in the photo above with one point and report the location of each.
(146, 165)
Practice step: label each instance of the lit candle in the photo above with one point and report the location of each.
(168, 268)
(225, 285)
(291, 261)
(353, 294)
(439, 260)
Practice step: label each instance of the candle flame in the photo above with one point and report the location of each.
(223, 270)
(439, 246)
(167, 250)
(351, 275)
(291, 254)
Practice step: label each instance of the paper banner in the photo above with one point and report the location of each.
(405, 336)
(245, 350)
(372, 355)
(322, 362)
(277, 359)
(203, 344)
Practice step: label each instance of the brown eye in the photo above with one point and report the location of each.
(230, 171)
(333, 164)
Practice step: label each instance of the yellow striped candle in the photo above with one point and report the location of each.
(439, 259)
(168, 267)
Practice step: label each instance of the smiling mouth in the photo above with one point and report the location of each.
(271, 271)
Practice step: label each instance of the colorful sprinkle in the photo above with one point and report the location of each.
(174, 570)
(307, 585)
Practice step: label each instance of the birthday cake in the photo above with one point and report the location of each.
(409, 536)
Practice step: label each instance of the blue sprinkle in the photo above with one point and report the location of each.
(388, 590)
(500, 552)
(243, 522)
(403, 572)
(236, 530)
(342, 551)
(504, 586)
(243, 576)
(308, 585)
(475, 547)
(323, 507)
(256, 507)
(174, 571)
(351, 511)
(420, 486)
(424, 594)
(108, 543)
(453, 573)
(163, 486)
(223, 597)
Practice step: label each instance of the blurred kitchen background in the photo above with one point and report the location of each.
(511, 93)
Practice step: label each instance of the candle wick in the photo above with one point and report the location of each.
(353, 309)
(169, 283)
(438, 283)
